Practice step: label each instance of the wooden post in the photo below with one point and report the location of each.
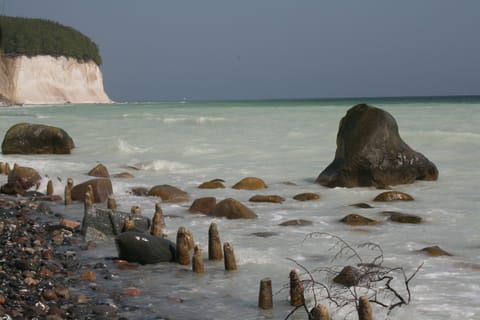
(364, 309)
(129, 224)
(214, 243)
(136, 210)
(197, 260)
(265, 298)
(87, 207)
(296, 289)
(230, 263)
(158, 222)
(111, 203)
(90, 191)
(49, 188)
(182, 254)
(191, 242)
(320, 312)
(68, 192)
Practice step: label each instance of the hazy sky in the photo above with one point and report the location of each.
(260, 49)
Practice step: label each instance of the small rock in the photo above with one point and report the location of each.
(349, 276)
(88, 275)
(250, 183)
(140, 191)
(264, 234)
(358, 220)
(132, 291)
(266, 198)
(402, 217)
(212, 184)
(124, 175)
(307, 196)
(435, 251)
(393, 196)
(50, 295)
(362, 205)
(99, 171)
(296, 222)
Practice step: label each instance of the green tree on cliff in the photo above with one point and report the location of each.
(31, 37)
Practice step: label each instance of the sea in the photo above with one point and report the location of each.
(287, 143)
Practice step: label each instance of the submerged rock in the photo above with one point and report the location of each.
(169, 193)
(403, 217)
(212, 184)
(358, 220)
(370, 152)
(306, 196)
(203, 205)
(26, 138)
(232, 209)
(393, 196)
(144, 248)
(435, 251)
(250, 183)
(296, 222)
(266, 198)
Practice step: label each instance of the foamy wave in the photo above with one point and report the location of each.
(125, 147)
(195, 151)
(166, 166)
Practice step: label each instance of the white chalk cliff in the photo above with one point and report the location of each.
(50, 80)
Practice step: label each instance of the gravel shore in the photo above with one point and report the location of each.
(41, 276)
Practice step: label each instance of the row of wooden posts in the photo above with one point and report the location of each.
(185, 243)
(297, 299)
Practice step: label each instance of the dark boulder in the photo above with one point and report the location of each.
(144, 248)
(26, 138)
(370, 152)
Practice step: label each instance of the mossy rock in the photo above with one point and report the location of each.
(358, 220)
(393, 196)
(266, 198)
(307, 196)
(403, 217)
(26, 138)
(250, 183)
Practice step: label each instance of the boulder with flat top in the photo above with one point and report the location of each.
(101, 187)
(370, 152)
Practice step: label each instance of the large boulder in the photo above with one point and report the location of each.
(99, 171)
(169, 193)
(144, 248)
(370, 152)
(26, 138)
(102, 188)
(232, 209)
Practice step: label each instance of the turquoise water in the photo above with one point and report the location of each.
(187, 143)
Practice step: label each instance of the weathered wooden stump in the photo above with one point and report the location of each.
(296, 289)
(320, 312)
(265, 298)
(68, 192)
(136, 210)
(111, 203)
(230, 263)
(197, 260)
(182, 254)
(158, 222)
(214, 243)
(50, 188)
(364, 309)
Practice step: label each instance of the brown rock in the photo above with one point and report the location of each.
(402, 217)
(102, 189)
(50, 295)
(203, 205)
(393, 196)
(232, 209)
(88, 275)
(26, 138)
(307, 196)
(99, 171)
(362, 205)
(296, 222)
(435, 251)
(140, 191)
(26, 177)
(212, 184)
(168, 193)
(266, 198)
(124, 175)
(349, 276)
(370, 152)
(358, 220)
(250, 183)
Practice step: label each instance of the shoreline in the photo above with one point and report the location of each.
(41, 275)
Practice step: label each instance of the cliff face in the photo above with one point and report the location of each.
(50, 80)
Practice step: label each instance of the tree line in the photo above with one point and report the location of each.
(31, 37)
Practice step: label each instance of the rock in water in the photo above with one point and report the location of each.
(26, 138)
(370, 152)
(144, 248)
(101, 187)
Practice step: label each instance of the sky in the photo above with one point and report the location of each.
(156, 50)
